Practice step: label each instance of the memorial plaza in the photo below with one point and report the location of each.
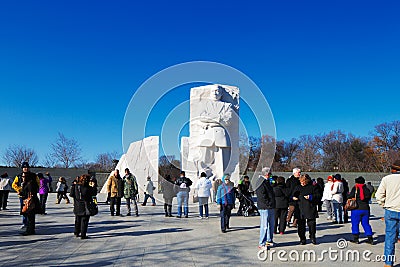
(154, 240)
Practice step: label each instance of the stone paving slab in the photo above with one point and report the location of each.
(153, 240)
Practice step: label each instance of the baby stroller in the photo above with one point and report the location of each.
(246, 206)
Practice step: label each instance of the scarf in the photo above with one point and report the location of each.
(360, 189)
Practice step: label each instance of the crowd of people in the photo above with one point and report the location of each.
(281, 203)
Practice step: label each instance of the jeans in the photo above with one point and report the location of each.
(266, 226)
(392, 220)
(24, 218)
(128, 205)
(225, 214)
(362, 216)
(329, 209)
(337, 210)
(183, 197)
(146, 197)
(203, 202)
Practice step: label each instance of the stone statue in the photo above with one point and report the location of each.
(214, 131)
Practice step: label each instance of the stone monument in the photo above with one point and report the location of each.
(213, 143)
(142, 160)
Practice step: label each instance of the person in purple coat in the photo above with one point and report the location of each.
(43, 191)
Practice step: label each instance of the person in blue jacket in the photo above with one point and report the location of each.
(225, 201)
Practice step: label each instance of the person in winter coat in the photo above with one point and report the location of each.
(61, 189)
(388, 196)
(148, 192)
(307, 196)
(43, 191)
(82, 194)
(115, 187)
(345, 195)
(337, 198)
(17, 186)
(5, 187)
(225, 200)
(327, 198)
(320, 184)
(282, 203)
(130, 191)
(266, 207)
(362, 212)
(167, 186)
(291, 183)
(183, 184)
(203, 189)
(30, 188)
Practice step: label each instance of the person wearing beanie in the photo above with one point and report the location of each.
(361, 214)
(17, 186)
(388, 196)
(203, 190)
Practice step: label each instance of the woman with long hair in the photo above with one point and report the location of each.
(83, 194)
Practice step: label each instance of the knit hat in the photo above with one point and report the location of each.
(337, 176)
(4, 175)
(396, 165)
(25, 165)
(360, 180)
(330, 178)
(203, 174)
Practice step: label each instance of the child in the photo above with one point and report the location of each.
(62, 188)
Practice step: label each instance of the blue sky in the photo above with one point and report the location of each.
(73, 66)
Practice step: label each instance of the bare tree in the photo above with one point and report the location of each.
(49, 161)
(16, 154)
(308, 154)
(66, 151)
(244, 151)
(105, 161)
(386, 142)
(168, 165)
(285, 152)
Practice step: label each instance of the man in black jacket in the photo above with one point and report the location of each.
(183, 183)
(266, 207)
(291, 183)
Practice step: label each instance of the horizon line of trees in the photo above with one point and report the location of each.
(333, 151)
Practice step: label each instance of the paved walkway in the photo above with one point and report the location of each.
(153, 240)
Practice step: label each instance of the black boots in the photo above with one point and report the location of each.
(168, 210)
(355, 239)
(370, 239)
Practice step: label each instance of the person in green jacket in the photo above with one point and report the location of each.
(130, 192)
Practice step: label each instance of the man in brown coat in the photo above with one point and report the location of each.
(115, 189)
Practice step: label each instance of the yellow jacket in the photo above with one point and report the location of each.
(17, 184)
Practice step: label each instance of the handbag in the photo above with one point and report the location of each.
(351, 203)
(29, 204)
(195, 198)
(91, 208)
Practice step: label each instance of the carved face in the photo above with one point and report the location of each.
(216, 93)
